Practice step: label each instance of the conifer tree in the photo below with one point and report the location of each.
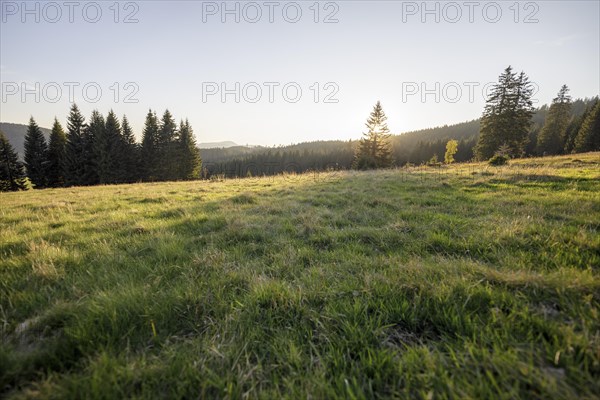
(12, 174)
(75, 149)
(110, 151)
(374, 149)
(36, 155)
(167, 135)
(552, 137)
(588, 137)
(573, 130)
(129, 154)
(93, 134)
(149, 151)
(188, 155)
(507, 116)
(56, 155)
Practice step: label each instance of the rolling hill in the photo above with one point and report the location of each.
(16, 134)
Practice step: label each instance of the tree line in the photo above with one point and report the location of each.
(104, 150)
(510, 126)
(506, 128)
(101, 151)
(507, 123)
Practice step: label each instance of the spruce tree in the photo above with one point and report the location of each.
(129, 154)
(56, 155)
(167, 135)
(588, 137)
(36, 155)
(572, 131)
(374, 149)
(12, 174)
(93, 134)
(188, 155)
(552, 137)
(75, 149)
(149, 151)
(507, 116)
(523, 121)
(110, 148)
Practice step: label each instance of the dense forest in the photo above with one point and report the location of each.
(100, 151)
(416, 147)
(104, 150)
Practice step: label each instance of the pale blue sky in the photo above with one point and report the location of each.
(378, 50)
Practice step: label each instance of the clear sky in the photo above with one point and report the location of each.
(181, 54)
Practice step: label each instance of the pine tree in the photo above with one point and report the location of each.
(451, 149)
(572, 131)
(56, 155)
(75, 148)
(582, 109)
(374, 149)
(524, 112)
(109, 150)
(552, 137)
(188, 155)
(149, 152)
(588, 138)
(93, 134)
(167, 135)
(12, 174)
(36, 155)
(129, 154)
(507, 116)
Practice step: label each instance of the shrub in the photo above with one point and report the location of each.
(498, 160)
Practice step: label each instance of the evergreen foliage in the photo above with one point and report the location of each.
(166, 147)
(93, 135)
(75, 162)
(110, 151)
(36, 155)
(12, 173)
(129, 154)
(374, 149)
(149, 150)
(507, 117)
(105, 151)
(188, 156)
(588, 137)
(552, 137)
(56, 155)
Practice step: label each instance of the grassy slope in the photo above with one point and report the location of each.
(464, 282)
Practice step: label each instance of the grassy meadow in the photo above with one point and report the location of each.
(458, 282)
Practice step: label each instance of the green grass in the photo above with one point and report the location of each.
(464, 282)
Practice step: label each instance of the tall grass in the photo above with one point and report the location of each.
(466, 281)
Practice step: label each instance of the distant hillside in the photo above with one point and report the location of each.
(217, 155)
(415, 146)
(16, 134)
(217, 145)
